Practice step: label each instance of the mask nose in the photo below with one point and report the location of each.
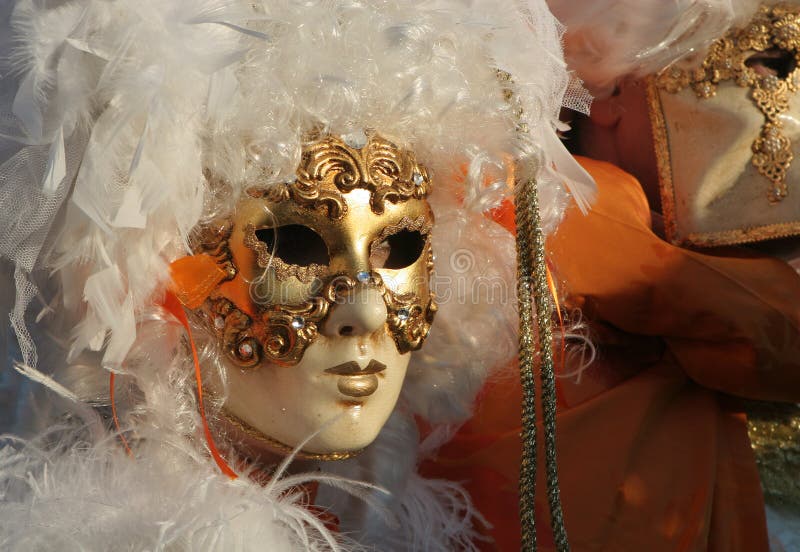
(361, 312)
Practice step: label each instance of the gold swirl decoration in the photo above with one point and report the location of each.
(329, 168)
(213, 240)
(286, 331)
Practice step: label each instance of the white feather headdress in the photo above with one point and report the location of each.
(112, 110)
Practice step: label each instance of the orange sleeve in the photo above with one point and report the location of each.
(732, 321)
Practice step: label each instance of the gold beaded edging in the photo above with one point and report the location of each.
(283, 270)
(663, 156)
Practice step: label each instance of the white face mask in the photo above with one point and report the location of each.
(726, 132)
(327, 294)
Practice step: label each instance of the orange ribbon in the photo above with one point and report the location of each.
(173, 305)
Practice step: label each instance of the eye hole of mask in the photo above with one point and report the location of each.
(398, 250)
(296, 244)
(774, 61)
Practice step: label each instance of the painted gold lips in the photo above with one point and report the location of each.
(356, 381)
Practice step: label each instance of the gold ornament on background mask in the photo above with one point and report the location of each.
(355, 215)
(724, 131)
(773, 28)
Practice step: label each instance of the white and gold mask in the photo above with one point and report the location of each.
(326, 292)
(726, 132)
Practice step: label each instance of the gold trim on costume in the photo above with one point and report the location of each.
(663, 159)
(774, 430)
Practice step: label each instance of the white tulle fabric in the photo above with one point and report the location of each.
(110, 111)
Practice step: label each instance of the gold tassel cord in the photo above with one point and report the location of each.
(532, 290)
(527, 476)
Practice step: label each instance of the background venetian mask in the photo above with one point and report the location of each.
(726, 131)
(329, 293)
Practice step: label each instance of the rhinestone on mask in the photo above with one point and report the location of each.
(357, 139)
(245, 350)
(298, 322)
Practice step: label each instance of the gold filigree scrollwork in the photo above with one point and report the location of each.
(290, 329)
(772, 156)
(330, 168)
(287, 330)
(409, 321)
(212, 239)
(283, 270)
(772, 27)
(233, 328)
(394, 176)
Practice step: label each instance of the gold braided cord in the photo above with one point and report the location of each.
(527, 352)
(533, 290)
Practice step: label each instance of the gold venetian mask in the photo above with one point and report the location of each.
(725, 133)
(354, 217)
(316, 291)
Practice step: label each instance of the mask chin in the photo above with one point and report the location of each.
(276, 408)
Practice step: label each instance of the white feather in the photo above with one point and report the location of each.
(56, 164)
(96, 498)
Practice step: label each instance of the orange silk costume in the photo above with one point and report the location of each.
(652, 448)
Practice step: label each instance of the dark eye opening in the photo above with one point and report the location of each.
(399, 250)
(776, 62)
(296, 244)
